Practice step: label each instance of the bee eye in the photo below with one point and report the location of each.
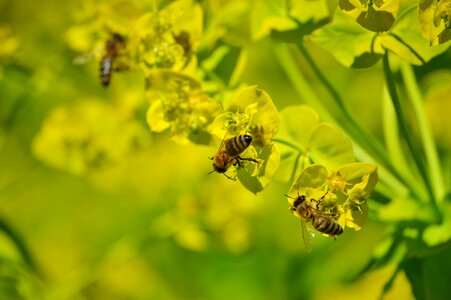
(298, 201)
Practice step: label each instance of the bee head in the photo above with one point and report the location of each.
(298, 201)
(247, 139)
(219, 169)
(118, 38)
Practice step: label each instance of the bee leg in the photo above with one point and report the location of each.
(121, 68)
(318, 202)
(234, 179)
(236, 162)
(248, 159)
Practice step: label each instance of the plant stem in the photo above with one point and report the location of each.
(296, 163)
(394, 145)
(19, 242)
(402, 121)
(297, 79)
(435, 173)
(283, 142)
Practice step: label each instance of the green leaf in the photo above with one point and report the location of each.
(308, 140)
(354, 173)
(377, 16)
(287, 20)
(410, 44)
(296, 126)
(435, 18)
(428, 275)
(400, 49)
(328, 146)
(255, 177)
(314, 176)
(223, 17)
(297, 123)
(349, 43)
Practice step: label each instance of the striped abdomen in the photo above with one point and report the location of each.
(106, 65)
(238, 144)
(326, 225)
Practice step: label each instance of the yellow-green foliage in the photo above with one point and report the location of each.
(105, 191)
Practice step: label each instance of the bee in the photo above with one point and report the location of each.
(112, 47)
(183, 39)
(321, 221)
(229, 153)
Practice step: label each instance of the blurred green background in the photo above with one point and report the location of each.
(147, 221)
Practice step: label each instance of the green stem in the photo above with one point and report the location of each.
(297, 79)
(415, 53)
(394, 145)
(19, 242)
(295, 167)
(291, 145)
(402, 121)
(435, 173)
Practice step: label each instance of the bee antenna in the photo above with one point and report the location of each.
(288, 196)
(324, 195)
(222, 106)
(211, 172)
(234, 179)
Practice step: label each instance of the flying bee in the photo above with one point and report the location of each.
(112, 48)
(229, 153)
(321, 221)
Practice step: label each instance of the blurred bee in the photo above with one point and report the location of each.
(229, 153)
(321, 221)
(183, 39)
(112, 47)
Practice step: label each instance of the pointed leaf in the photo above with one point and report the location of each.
(328, 146)
(377, 16)
(348, 42)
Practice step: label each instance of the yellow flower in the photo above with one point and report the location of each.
(177, 103)
(252, 112)
(343, 192)
(73, 139)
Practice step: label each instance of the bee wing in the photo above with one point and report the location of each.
(86, 57)
(307, 235)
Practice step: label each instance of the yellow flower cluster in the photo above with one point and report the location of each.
(204, 219)
(343, 192)
(87, 136)
(178, 103)
(252, 112)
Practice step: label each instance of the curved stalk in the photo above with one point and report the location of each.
(433, 164)
(291, 145)
(19, 242)
(402, 121)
